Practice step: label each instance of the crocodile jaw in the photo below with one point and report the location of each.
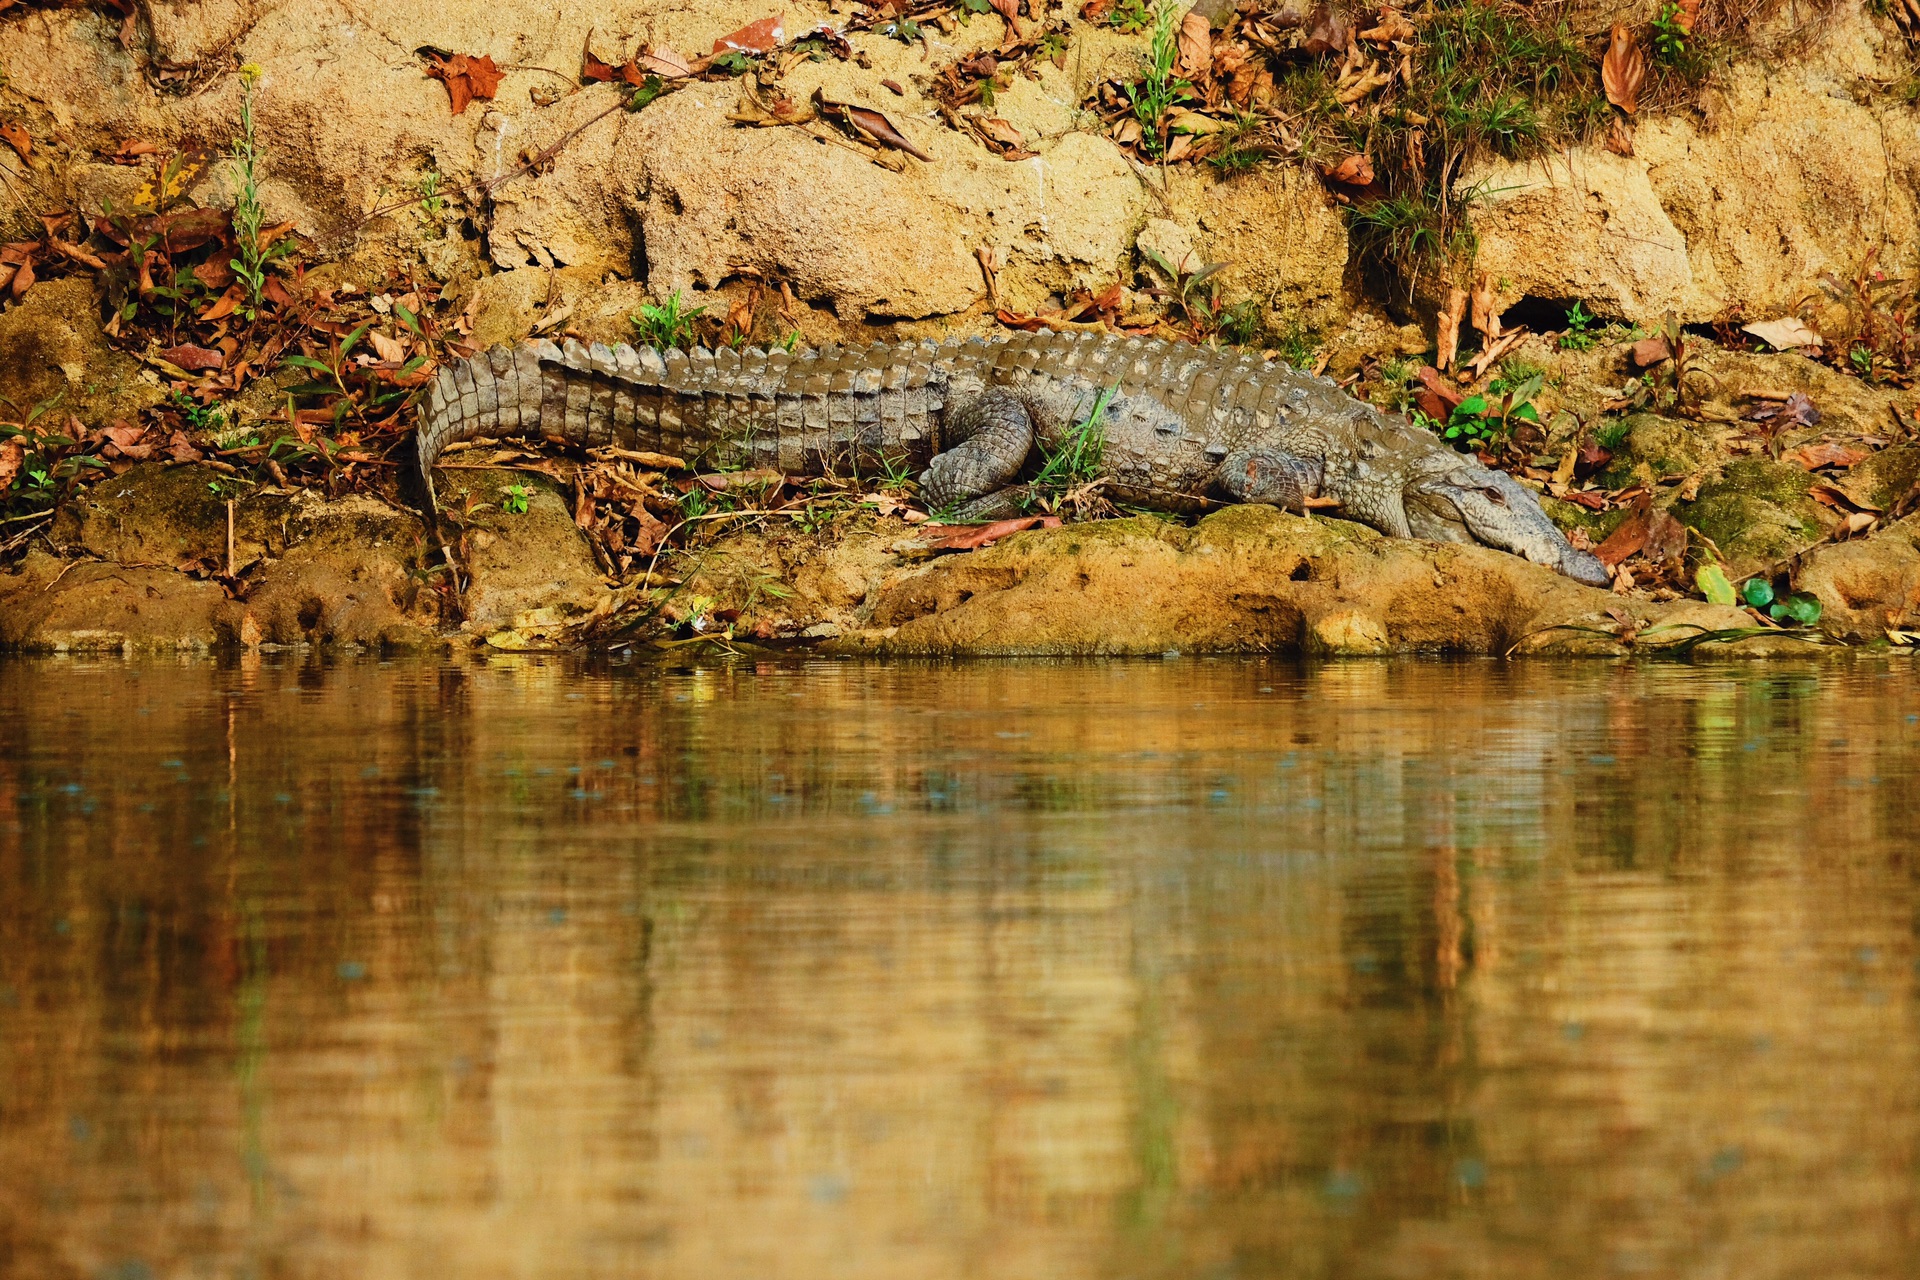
(1470, 503)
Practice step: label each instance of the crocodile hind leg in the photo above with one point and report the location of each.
(1270, 476)
(994, 435)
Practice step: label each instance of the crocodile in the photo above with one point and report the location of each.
(1181, 427)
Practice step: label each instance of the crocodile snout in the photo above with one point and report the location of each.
(1584, 566)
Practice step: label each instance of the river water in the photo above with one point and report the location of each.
(1208, 969)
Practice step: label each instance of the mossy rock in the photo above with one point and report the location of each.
(159, 513)
(1653, 448)
(1885, 478)
(1757, 512)
(1599, 525)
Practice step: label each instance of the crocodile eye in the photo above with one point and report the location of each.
(1494, 496)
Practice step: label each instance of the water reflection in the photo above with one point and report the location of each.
(1195, 969)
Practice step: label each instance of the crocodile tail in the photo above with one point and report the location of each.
(494, 393)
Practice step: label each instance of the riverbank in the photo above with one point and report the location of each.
(179, 557)
(1683, 311)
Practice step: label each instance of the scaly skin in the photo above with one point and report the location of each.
(1188, 427)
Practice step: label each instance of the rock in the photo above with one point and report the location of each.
(1171, 243)
(1757, 512)
(56, 352)
(1244, 579)
(1582, 225)
(184, 32)
(1869, 585)
(871, 242)
(162, 515)
(352, 579)
(574, 211)
(1884, 480)
(1792, 178)
(1284, 243)
(508, 304)
(1653, 448)
(523, 563)
(53, 606)
(318, 572)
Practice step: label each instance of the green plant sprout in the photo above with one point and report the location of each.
(667, 325)
(1579, 335)
(249, 215)
(1153, 96)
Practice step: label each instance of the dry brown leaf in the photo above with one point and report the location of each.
(1392, 27)
(764, 107)
(1179, 148)
(1447, 337)
(667, 63)
(1649, 352)
(1626, 540)
(1825, 453)
(390, 350)
(130, 151)
(1010, 10)
(12, 456)
(1623, 71)
(466, 78)
(125, 439)
(1687, 12)
(969, 537)
(594, 69)
(1437, 398)
(1486, 320)
(1327, 32)
(879, 128)
(1784, 334)
(1620, 136)
(22, 278)
(1374, 78)
(14, 134)
(1184, 120)
(1666, 539)
(1196, 44)
(228, 301)
(1839, 499)
(1354, 171)
(1000, 136)
(756, 37)
(192, 358)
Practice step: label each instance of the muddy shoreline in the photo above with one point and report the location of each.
(148, 562)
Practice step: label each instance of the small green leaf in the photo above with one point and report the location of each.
(353, 339)
(1758, 592)
(406, 318)
(1712, 580)
(1471, 407)
(308, 362)
(1526, 413)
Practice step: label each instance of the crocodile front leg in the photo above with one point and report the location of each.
(1270, 476)
(994, 435)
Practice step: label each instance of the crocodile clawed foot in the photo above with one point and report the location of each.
(1269, 476)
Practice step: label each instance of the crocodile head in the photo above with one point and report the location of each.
(1466, 502)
